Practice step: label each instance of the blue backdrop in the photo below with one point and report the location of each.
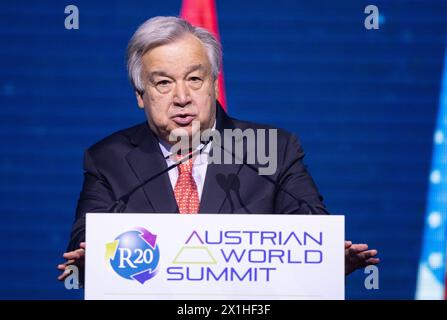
(363, 102)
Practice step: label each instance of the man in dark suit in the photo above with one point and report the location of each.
(173, 68)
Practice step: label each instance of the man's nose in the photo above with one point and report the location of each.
(182, 96)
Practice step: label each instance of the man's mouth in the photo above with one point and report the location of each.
(183, 120)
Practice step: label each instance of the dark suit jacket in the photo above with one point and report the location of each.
(121, 161)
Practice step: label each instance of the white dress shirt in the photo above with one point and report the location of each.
(198, 170)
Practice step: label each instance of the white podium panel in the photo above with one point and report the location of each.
(214, 256)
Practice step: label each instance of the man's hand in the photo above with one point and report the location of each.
(358, 256)
(75, 257)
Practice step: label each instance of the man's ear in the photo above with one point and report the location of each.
(139, 100)
(216, 87)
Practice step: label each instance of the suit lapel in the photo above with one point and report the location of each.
(219, 177)
(146, 160)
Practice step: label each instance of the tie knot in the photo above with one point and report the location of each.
(186, 167)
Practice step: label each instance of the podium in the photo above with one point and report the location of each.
(214, 256)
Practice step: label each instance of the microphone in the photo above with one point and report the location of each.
(300, 202)
(121, 204)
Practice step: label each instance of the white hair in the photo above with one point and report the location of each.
(159, 31)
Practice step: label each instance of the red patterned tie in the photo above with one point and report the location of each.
(185, 190)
